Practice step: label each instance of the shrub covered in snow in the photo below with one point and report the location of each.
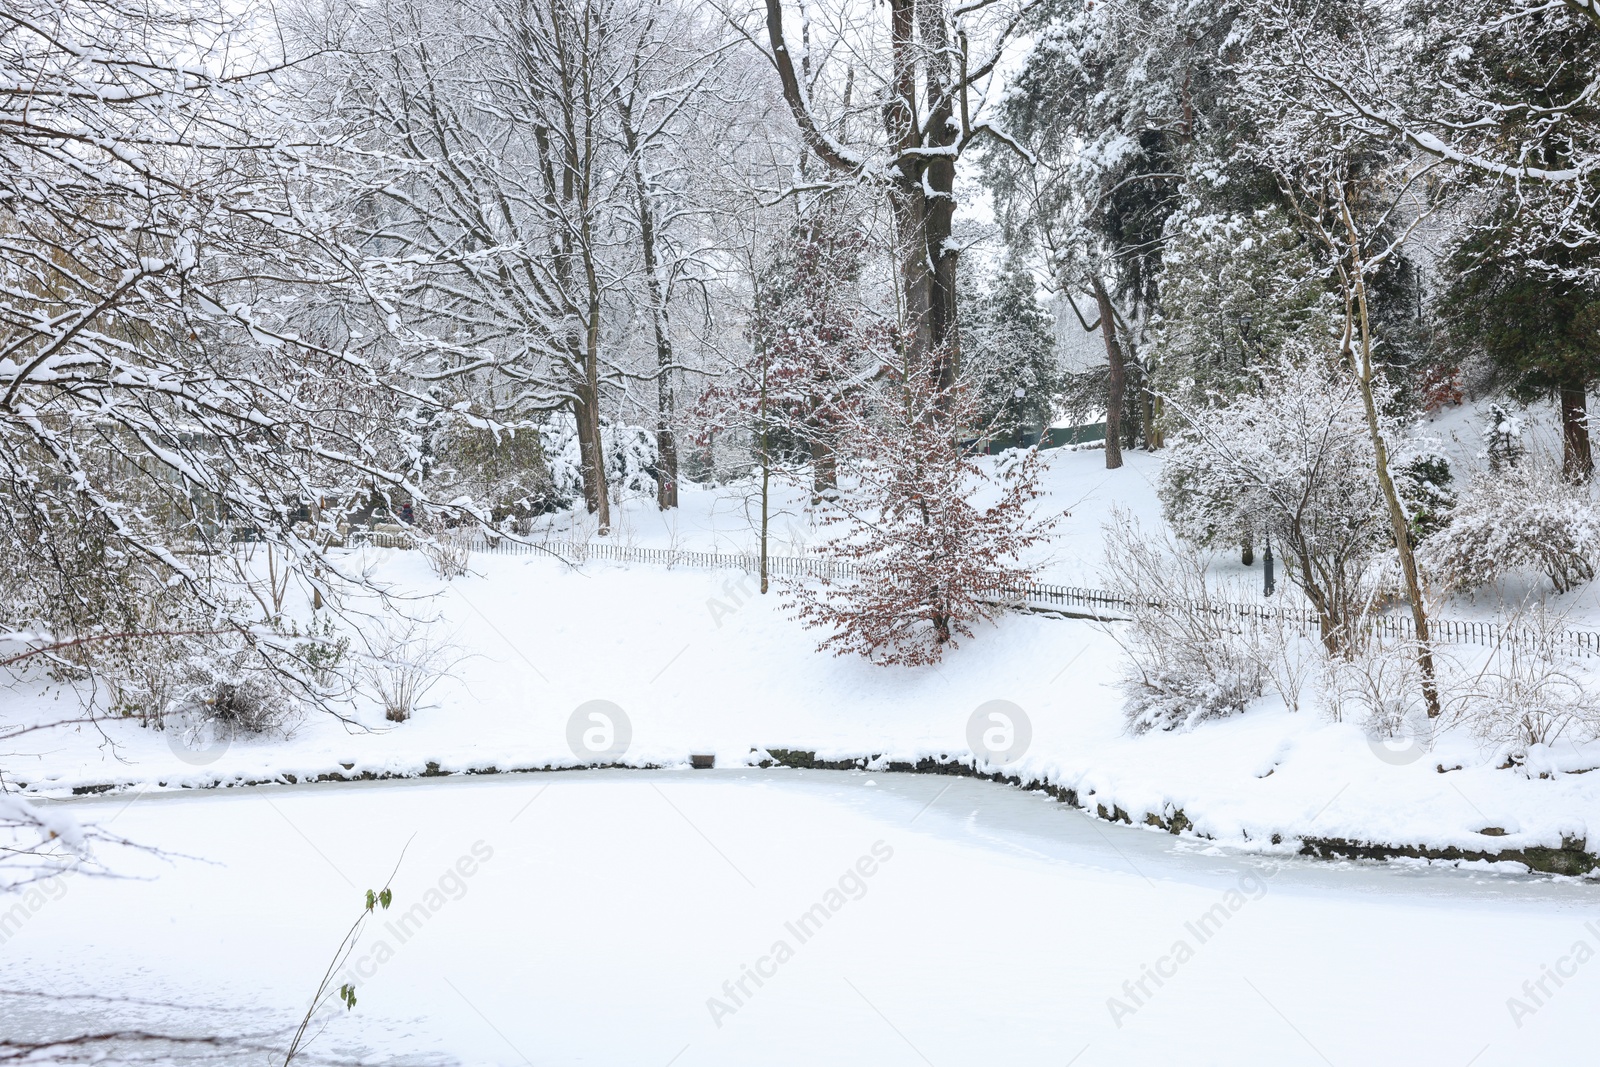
(449, 553)
(1377, 685)
(233, 696)
(1532, 691)
(405, 660)
(1525, 515)
(499, 471)
(1189, 659)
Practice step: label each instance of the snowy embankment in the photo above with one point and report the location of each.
(697, 662)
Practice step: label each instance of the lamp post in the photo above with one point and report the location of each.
(1268, 579)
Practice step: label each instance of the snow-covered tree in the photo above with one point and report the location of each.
(1494, 101)
(936, 540)
(163, 387)
(814, 344)
(1537, 332)
(1503, 446)
(1235, 289)
(505, 174)
(1293, 460)
(1113, 101)
(1500, 93)
(1008, 353)
(930, 81)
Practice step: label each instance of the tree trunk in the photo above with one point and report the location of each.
(928, 268)
(1361, 364)
(766, 469)
(824, 470)
(1147, 412)
(591, 446)
(924, 144)
(1116, 394)
(1330, 629)
(766, 510)
(591, 460)
(666, 442)
(934, 177)
(666, 466)
(1577, 458)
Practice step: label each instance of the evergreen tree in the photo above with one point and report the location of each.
(1540, 331)
(1236, 288)
(1008, 354)
(1523, 282)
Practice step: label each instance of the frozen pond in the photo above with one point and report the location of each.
(749, 917)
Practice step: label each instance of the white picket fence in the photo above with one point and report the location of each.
(1096, 602)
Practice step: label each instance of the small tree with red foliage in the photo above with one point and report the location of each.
(930, 558)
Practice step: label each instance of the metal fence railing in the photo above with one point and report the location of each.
(1033, 595)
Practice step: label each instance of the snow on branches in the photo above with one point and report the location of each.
(171, 381)
(813, 347)
(930, 561)
(1290, 459)
(1523, 515)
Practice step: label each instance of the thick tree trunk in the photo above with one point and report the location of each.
(824, 470)
(591, 447)
(934, 178)
(591, 458)
(923, 195)
(666, 468)
(1116, 394)
(1577, 458)
(924, 143)
(928, 269)
(568, 178)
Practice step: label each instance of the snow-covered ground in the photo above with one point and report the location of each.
(594, 917)
(611, 917)
(696, 661)
(725, 518)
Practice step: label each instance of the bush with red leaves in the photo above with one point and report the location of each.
(935, 538)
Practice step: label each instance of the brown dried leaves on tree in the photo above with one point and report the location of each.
(936, 539)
